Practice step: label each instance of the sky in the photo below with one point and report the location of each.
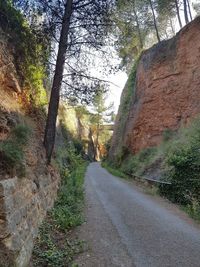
(118, 81)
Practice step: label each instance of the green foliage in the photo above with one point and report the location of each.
(113, 170)
(11, 150)
(31, 51)
(48, 251)
(167, 135)
(130, 85)
(35, 76)
(66, 214)
(183, 158)
(21, 134)
(67, 210)
(136, 164)
(10, 153)
(180, 163)
(121, 155)
(136, 27)
(193, 210)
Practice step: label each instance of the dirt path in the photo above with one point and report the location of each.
(125, 227)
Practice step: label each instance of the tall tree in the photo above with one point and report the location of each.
(101, 114)
(83, 25)
(80, 28)
(185, 11)
(189, 9)
(50, 129)
(154, 20)
(178, 13)
(133, 23)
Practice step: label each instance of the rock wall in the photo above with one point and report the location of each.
(166, 92)
(24, 204)
(23, 201)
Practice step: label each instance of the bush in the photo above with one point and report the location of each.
(183, 160)
(21, 134)
(11, 150)
(66, 214)
(135, 164)
(167, 135)
(10, 154)
(67, 210)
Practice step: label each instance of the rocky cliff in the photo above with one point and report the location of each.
(28, 187)
(163, 93)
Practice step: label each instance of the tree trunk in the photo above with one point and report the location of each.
(189, 8)
(154, 20)
(91, 145)
(96, 157)
(178, 14)
(185, 11)
(172, 27)
(138, 29)
(50, 130)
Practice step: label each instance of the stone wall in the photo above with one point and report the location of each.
(23, 205)
(23, 201)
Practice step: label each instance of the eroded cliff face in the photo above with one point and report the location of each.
(165, 94)
(24, 198)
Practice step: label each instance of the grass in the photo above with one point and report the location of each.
(67, 211)
(114, 171)
(193, 211)
(54, 246)
(152, 191)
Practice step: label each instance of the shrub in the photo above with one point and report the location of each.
(135, 164)
(67, 211)
(130, 166)
(183, 160)
(167, 135)
(10, 154)
(66, 214)
(11, 150)
(21, 134)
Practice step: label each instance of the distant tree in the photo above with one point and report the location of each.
(196, 7)
(101, 114)
(189, 9)
(154, 19)
(178, 12)
(166, 11)
(133, 21)
(186, 11)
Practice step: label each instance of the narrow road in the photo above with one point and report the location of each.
(128, 228)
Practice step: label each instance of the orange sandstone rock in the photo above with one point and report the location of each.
(167, 91)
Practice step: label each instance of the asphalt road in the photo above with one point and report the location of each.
(126, 227)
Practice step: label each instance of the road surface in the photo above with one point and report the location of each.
(126, 227)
